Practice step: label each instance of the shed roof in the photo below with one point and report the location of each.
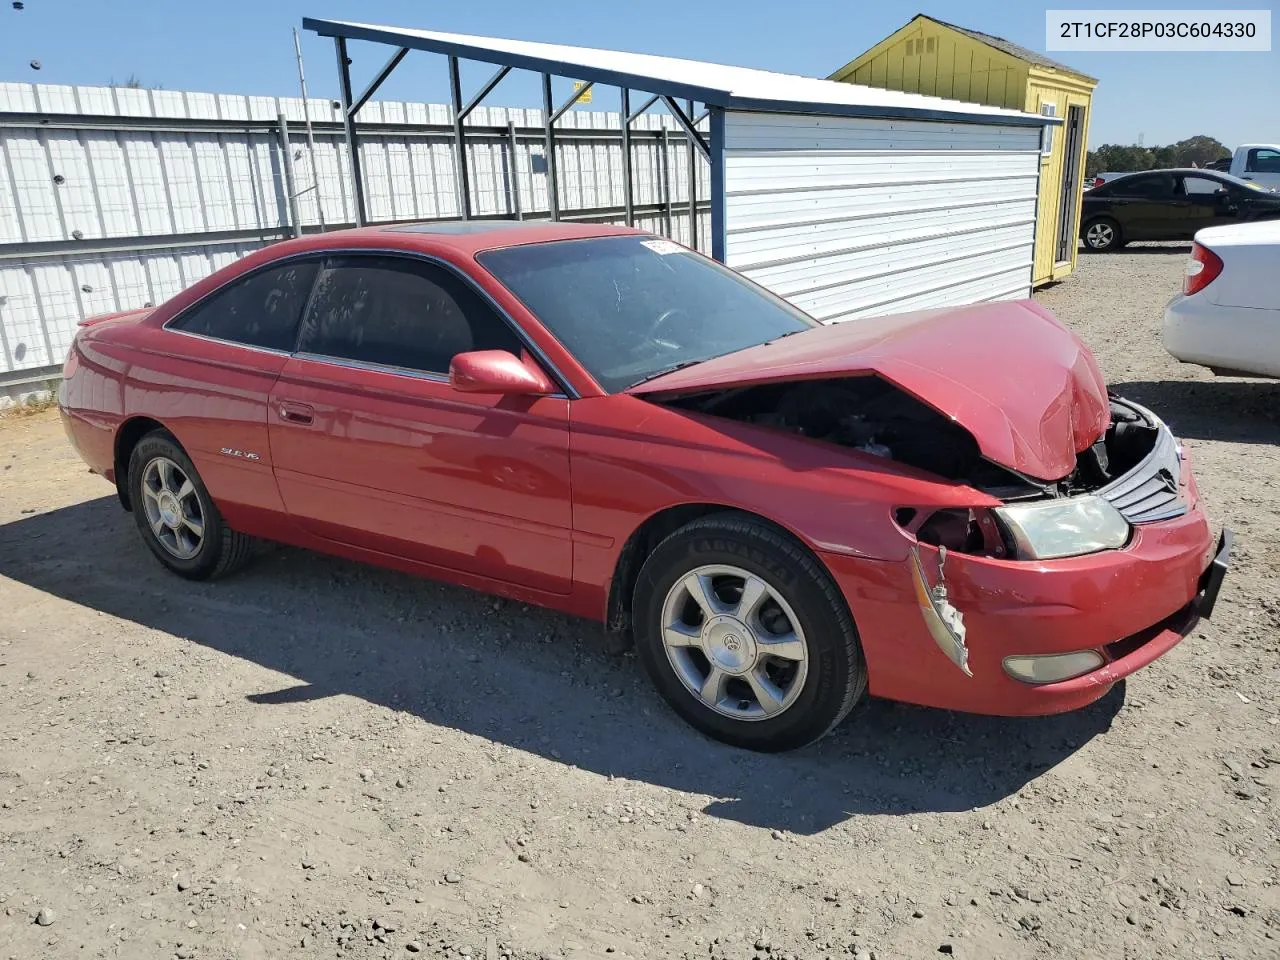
(735, 88)
(1009, 47)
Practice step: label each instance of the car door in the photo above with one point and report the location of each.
(209, 377)
(1210, 202)
(1147, 209)
(1262, 164)
(373, 448)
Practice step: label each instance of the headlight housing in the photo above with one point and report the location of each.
(1069, 527)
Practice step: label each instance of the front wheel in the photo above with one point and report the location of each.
(746, 636)
(177, 518)
(1102, 235)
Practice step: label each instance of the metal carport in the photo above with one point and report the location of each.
(848, 200)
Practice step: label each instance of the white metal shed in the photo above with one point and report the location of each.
(847, 200)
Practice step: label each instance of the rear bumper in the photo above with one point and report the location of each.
(1235, 339)
(93, 440)
(1131, 605)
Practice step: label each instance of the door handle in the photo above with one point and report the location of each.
(299, 413)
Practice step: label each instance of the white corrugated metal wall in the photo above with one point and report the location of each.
(850, 218)
(159, 206)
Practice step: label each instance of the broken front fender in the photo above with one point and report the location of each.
(944, 622)
(1015, 608)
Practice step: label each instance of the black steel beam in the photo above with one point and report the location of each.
(564, 107)
(693, 190)
(373, 86)
(689, 128)
(665, 166)
(459, 140)
(349, 124)
(647, 104)
(39, 250)
(484, 91)
(626, 157)
(70, 121)
(719, 226)
(553, 179)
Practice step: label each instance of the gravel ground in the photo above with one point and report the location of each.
(321, 759)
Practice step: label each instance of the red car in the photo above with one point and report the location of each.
(945, 507)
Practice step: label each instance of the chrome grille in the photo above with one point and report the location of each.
(1152, 490)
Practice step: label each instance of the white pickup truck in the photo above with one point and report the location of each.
(1259, 162)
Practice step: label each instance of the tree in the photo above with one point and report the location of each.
(132, 82)
(1198, 150)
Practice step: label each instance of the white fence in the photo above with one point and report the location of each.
(115, 198)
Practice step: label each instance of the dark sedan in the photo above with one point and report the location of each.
(1170, 205)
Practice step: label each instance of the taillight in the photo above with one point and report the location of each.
(1202, 269)
(1098, 181)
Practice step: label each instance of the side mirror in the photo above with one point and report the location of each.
(497, 371)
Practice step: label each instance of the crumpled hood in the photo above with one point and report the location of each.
(1026, 387)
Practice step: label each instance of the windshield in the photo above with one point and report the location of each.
(633, 307)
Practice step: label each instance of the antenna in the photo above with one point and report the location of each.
(311, 136)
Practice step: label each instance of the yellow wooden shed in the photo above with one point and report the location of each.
(934, 57)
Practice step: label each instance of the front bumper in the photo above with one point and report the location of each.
(1132, 605)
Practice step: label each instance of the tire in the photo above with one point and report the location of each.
(1102, 235)
(807, 698)
(169, 526)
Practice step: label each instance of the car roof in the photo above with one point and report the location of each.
(1196, 170)
(464, 237)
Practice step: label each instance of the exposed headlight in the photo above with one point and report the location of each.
(1051, 668)
(1064, 528)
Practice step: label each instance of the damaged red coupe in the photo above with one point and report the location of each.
(944, 507)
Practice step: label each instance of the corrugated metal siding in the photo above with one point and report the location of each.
(93, 184)
(849, 217)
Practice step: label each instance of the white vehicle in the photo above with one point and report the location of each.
(1227, 317)
(1259, 162)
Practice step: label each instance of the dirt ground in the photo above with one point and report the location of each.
(320, 759)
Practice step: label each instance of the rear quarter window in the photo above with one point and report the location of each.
(260, 310)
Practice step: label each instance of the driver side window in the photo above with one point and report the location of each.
(1201, 187)
(399, 312)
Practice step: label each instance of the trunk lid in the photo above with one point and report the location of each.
(123, 316)
(1026, 388)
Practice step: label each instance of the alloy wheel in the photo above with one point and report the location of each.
(173, 508)
(734, 642)
(1100, 235)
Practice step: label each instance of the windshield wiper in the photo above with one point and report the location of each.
(783, 336)
(670, 369)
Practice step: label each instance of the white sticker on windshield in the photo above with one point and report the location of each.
(662, 247)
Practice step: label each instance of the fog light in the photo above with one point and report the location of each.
(1052, 667)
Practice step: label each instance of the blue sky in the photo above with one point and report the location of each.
(245, 46)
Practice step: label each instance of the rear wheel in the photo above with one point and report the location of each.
(1102, 234)
(177, 518)
(745, 635)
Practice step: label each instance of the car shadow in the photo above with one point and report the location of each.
(1168, 248)
(1165, 247)
(534, 680)
(1237, 411)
